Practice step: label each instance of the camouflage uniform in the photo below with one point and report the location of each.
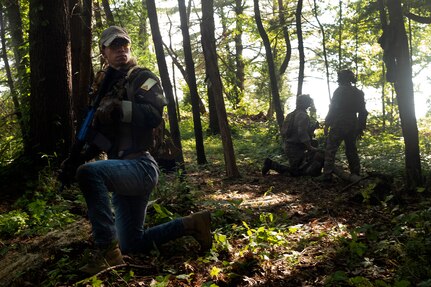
(346, 120)
(297, 134)
(294, 144)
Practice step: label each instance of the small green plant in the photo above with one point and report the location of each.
(92, 281)
(263, 239)
(162, 213)
(13, 222)
(356, 247)
(221, 242)
(160, 281)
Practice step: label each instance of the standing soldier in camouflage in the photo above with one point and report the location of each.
(297, 133)
(345, 121)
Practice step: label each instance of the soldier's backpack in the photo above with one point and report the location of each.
(288, 125)
(164, 151)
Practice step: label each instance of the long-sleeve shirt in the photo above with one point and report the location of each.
(347, 109)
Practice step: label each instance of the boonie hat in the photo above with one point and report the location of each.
(112, 33)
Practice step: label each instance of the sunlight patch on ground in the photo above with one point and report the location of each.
(249, 199)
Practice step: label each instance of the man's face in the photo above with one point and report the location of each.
(118, 53)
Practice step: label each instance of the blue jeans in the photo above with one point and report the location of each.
(131, 182)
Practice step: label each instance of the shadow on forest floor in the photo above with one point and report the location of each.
(300, 244)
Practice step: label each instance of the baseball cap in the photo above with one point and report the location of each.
(112, 33)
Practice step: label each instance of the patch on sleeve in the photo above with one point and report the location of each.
(148, 84)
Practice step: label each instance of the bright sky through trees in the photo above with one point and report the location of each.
(315, 76)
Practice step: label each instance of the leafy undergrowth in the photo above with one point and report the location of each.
(268, 231)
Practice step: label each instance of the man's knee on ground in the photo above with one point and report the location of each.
(84, 172)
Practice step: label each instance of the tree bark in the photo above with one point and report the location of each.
(78, 103)
(271, 66)
(298, 16)
(325, 53)
(340, 33)
(22, 85)
(239, 60)
(213, 125)
(108, 13)
(209, 48)
(97, 15)
(404, 89)
(50, 104)
(85, 64)
(283, 25)
(417, 18)
(144, 33)
(191, 76)
(384, 24)
(13, 91)
(166, 82)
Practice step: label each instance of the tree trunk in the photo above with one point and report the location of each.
(191, 76)
(325, 54)
(384, 24)
(340, 33)
(213, 125)
(183, 71)
(13, 92)
(50, 104)
(175, 93)
(78, 103)
(404, 89)
(168, 49)
(283, 25)
(108, 13)
(239, 60)
(383, 97)
(166, 82)
(22, 85)
(144, 33)
(209, 48)
(97, 15)
(271, 66)
(298, 17)
(85, 64)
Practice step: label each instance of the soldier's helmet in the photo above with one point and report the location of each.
(346, 76)
(304, 101)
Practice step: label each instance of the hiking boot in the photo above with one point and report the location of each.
(103, 259)
(198, 225)
(266, 166)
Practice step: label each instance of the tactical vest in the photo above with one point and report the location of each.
(140, 86)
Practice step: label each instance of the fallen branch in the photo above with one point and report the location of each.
(353, 183)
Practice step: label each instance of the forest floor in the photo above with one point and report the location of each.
(269, 231)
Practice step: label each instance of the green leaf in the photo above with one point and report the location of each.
(215, 271)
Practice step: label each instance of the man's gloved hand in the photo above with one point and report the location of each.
(109, 111)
